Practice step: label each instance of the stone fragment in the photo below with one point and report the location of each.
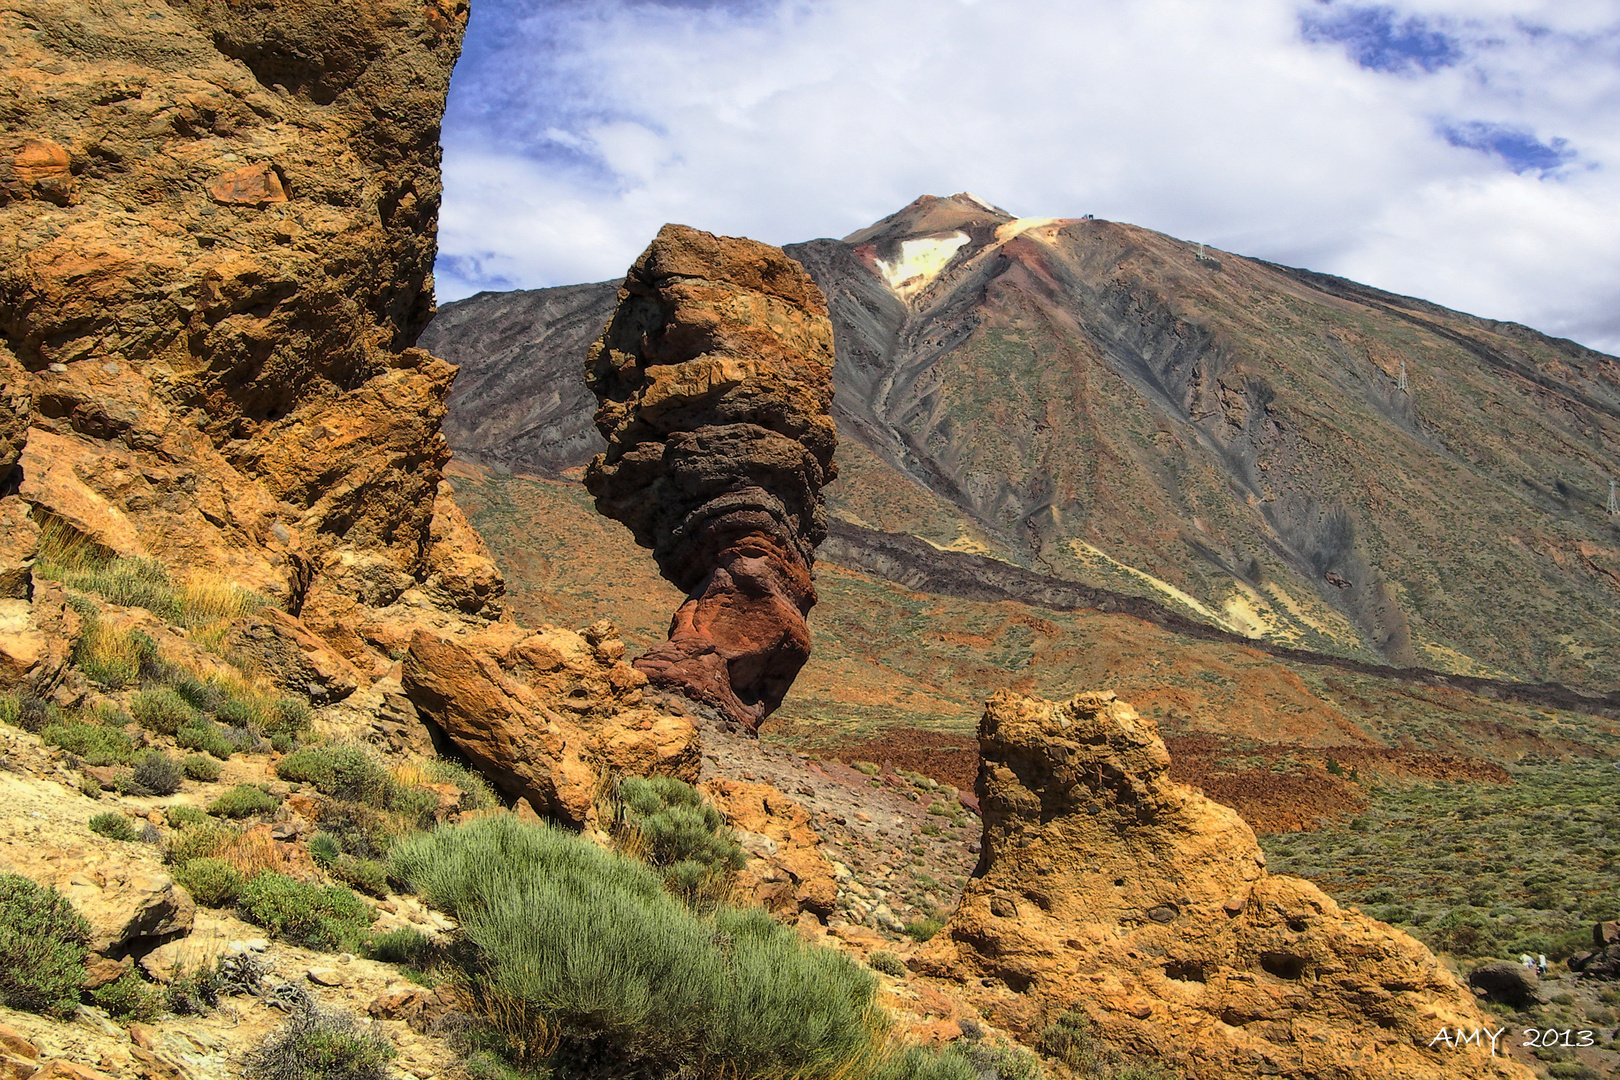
(13, 1042)
(715, 382)
(324, 976)
(296, 659)
(1506, 982)
(19, 543)
(250, 185)
(101, 970)
(33, 167)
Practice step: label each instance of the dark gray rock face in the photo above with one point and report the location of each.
(519, 401)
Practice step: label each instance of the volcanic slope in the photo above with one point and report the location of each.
(1283, 454)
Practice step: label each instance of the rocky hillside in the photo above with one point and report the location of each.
(1282, 454)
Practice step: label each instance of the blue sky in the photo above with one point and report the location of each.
(1465, 152)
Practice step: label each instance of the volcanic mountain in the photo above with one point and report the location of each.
(1284, 455)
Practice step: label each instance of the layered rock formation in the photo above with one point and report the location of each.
(715, 381)
(1105, 886)
(220, 224)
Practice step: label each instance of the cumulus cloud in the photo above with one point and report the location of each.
(1460, 151)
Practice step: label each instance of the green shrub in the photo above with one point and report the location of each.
(330, 918)
(243, 800)
(1069, 1039)
(10, 710)
(343, 772)
(324, 848)
(114, 826)
(129, 998)
(283, 742)
(919, 1063)
(586, 945)
(198, 842)
(43, 945)
(199, 694)
(163, 711)
(201, 768)
(923, 929)
(476, 794)
(212, 882)
(207, 736)
(113, 656)
(158, 773)
(406, 945)
(34, 713)
(886, 962)
(95, 744)
(1009, 1062)
(317, 1045)
(370, 876)
(183, 816)
(674, 827)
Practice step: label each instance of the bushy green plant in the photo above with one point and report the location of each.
(10, 710)
(405, 945)
(318, 1045)
(588, 945)
(1006, 1062)
(95, 744)
(201, 768)
(370, 876)
(476, 794)
(324, 848)
(675, 828)
(243, 800)
(887, 962)
(129, 998)
(922, 1063)
(207, 736)
(114, 826)
(198, 842)
(343, 772)
(43, 945)
(1069, 1039)
(163, 711)
(112, 656)
(200, 694)
(923, 929)
(157, 772)
(212, 882)
(329, 918)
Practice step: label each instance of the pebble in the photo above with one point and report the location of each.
(324, 977)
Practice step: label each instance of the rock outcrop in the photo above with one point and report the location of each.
(715, 382)
(220, 230)
(1107, 887)
(546, 714)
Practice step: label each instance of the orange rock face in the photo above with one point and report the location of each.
(715, 382)
(220, 233)
(1107, 887)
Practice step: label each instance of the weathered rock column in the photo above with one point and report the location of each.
(715, 378)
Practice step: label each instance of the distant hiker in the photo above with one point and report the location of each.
(1527, 960)
(1541, 964)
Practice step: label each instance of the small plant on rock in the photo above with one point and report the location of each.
(162, 710)
(318, 1045)
(676, 829)
(158, 773)
(243, 800)
(211, 881)
(114, 826)
(43, 945)
(1068, 1039)
(205, 735)
(886, 962)
(320, 918)
(199, 767)
(94, 744)
(129, 998)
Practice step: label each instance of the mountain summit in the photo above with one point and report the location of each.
(1286, 455)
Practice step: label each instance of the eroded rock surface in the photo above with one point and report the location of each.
(545, 714)
(220, 232)
(715, 382)
(1107, 887)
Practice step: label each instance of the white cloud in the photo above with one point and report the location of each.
(578, 127)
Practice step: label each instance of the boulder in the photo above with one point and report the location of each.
(298, 661)
(1507, 983)
(715, 382)
(787, 873)
(1106, 886)
(19, 543)
(544, 714)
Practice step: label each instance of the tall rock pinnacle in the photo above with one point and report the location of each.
(715, 382)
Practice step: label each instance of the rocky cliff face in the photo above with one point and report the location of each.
(1231, 439)
(715, 382)
(1106, 887)
(221, 232)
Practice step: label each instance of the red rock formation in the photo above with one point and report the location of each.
(1105, 886)
(715, 381)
